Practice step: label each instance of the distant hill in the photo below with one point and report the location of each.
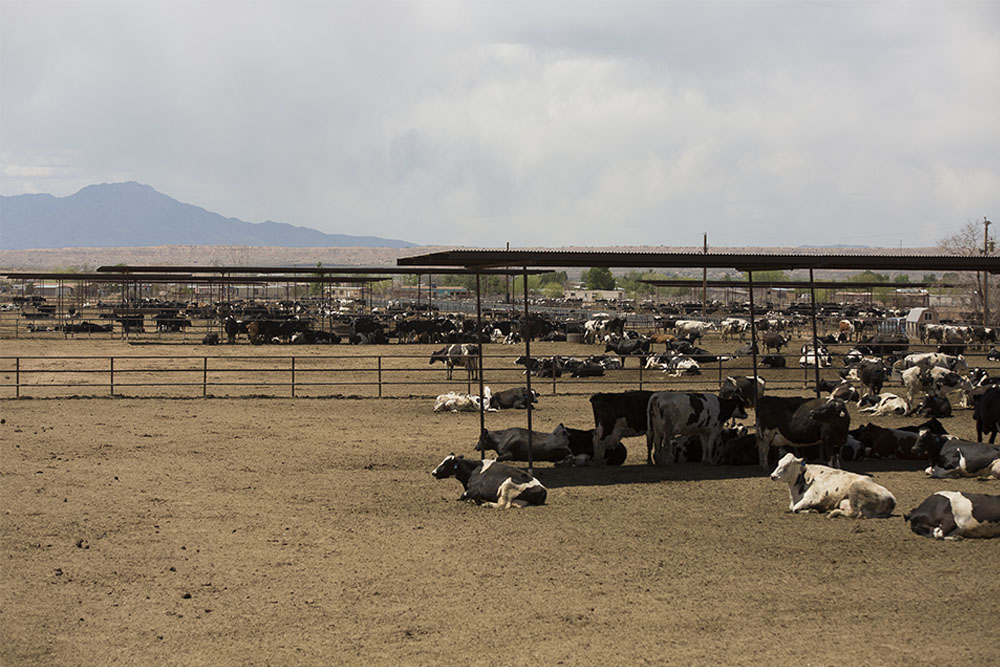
(132, 214)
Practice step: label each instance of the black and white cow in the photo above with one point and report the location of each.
(742, 387)
(801, 422)
(952, 515)
(581, 443)
(493, 484)
(773, 361)
(515, 398)
(626, 347)
(617, 416)
(462, 355)
(836, 492)
(682, 413)
(952, 457)
(511, 444)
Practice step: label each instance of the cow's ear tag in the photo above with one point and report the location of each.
(842, 414)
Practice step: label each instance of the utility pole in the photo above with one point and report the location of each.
(986, 274)
(704, 281)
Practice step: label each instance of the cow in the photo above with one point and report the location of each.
(884, 404)
(492, 484)
(598, 329)
(462, 355)
(836, 492)
(933, 381)
(738, 448)
(809, 357)
(674, 364)
(692, 329)
(581, 444)
(617, 415)
(954, 363)
(511, 444)
(774, 341)
(734, 326)
(673, 413)
(934, 406)
(986, 412)
(953, 515)
(773, 361)
(845, 331)
(456, 402)
(886, 443)
(515, 398)
(625, 347)
(210, 339)
(845, 391)
(957, 458)
(801, 422)
(742, 387)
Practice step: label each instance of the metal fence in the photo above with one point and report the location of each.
(375, 375)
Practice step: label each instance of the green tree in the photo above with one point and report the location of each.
(598, 277)
(316, 288)
(901, 278)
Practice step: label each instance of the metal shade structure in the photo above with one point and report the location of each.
(484, 259)
(481, 260)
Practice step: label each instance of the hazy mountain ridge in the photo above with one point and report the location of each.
(136, 215)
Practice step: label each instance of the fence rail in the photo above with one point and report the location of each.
(378, 375)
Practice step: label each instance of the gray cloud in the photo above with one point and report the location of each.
(544, 123)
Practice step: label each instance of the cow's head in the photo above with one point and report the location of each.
(789, 468)
(446, 468)
(927, 442)
(834, 411)
(558, 439)
(441, 355)
(486, 442)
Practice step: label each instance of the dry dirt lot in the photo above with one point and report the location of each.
(309, 531)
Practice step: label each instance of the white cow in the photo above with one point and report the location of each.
(693, 329)
(456, 402)
(837, 492)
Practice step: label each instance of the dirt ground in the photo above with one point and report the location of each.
(309, 531)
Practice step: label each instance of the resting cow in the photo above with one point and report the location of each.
(493, 484)
(681, 413)
(581, 444)
(837, 492)
(516, 398)
(801, 422)
(952, 515)
(511, 444)
(957, 458)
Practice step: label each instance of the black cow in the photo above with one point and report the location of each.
(511, 444)
(581, 443)
(986, 412)
(637, 347)
(801, 422)
(934, 406)
(883, 344)
(773, 361)
(957, 458)
(774, 341)
(617, 415)
(491, 483)
(952, 515)
(516, 398)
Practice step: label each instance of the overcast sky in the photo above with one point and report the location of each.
(539, 123)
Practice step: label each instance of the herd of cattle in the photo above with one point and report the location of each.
(689, 426)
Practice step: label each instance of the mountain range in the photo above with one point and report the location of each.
(132, 214)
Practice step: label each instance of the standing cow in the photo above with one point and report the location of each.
(674, 413)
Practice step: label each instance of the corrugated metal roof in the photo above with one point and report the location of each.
(481, 259)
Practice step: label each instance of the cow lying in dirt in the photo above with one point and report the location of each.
(836, 492)
(493, 484)
(952, 515)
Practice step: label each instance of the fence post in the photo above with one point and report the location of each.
(204, 377)
(17, 377)
(380, 376)
(640, 371)
(112, 359)
(293, 377)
